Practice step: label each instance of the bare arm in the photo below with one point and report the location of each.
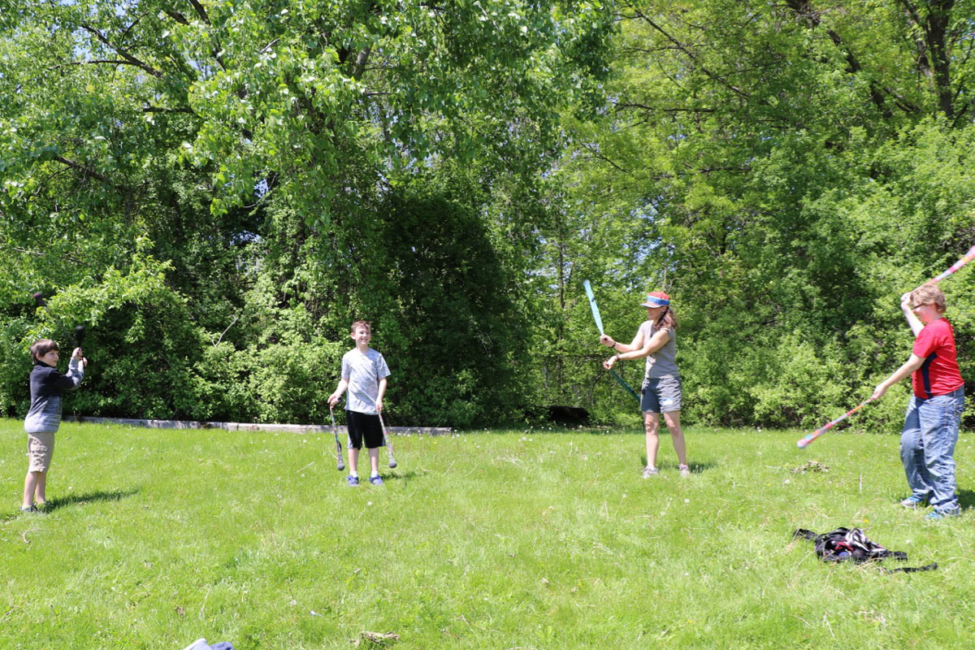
(912, 319)
(334, 398)
(909, 367)
(634, 351)
(379, 398)
(610, 342)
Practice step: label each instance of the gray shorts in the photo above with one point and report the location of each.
(661, 395)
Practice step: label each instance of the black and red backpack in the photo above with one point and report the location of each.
(852, 544)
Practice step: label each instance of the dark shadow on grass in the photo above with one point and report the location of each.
(966, 499)
(696, 468)
(400, 476)
(75, 499)
(617, 430)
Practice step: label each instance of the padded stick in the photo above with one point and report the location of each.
(389, 447)
(338, 445)
(599, 325)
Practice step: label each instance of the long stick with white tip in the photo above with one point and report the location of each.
(804, 442)
(389, 446)
(338, 445)
(966, 258)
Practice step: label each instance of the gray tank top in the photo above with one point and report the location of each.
(663, 362)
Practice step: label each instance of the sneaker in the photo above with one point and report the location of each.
(914, 502)
(936, 515)
(684, 470)
(27, 509)
(353, 480)
(375, 480)
(650, 471)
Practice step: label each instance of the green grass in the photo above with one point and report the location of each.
(489, 540)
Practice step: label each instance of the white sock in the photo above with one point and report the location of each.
(355, 474)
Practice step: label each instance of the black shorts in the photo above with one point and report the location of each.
(363, 426)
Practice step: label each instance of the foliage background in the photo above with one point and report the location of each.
(219, 189)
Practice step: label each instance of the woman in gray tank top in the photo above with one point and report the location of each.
(656, 340)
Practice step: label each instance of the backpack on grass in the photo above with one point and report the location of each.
(845, 544)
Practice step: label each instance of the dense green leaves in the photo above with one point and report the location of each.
(261, 152)
(786, 171)
(226, 185)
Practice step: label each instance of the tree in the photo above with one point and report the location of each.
(255, 143)
(743, 157)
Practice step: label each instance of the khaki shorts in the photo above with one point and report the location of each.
(40, 448)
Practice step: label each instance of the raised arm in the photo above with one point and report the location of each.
(76, 371)
(912, 319)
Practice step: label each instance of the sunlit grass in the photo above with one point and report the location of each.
(488, 540)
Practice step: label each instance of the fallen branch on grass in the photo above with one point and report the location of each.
(378, 638)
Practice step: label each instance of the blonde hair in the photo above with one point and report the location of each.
(929, 294)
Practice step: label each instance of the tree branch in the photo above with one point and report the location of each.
(23, 251)
(933, 56)
(360, 63)
(804, 10)
(687, 52)
(87, 171)
(123, 53)
(91, 62)
(200, 11)
(178, 17)
(161, 109)
(622, 105)
(595, 152)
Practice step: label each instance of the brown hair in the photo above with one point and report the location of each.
(361, 323)
(929, 294)
(667, 320)
(40, 348)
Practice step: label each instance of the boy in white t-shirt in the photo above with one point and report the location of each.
(364, 373)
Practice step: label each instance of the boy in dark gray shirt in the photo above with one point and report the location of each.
(44, 416)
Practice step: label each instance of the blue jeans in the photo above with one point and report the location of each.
(928, 447)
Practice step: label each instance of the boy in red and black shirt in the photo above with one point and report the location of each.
(934, 413)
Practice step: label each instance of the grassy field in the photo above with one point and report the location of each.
(488, 540)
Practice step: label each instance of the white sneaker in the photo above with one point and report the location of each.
(650, 471)
(685, 471)
(913, 502)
